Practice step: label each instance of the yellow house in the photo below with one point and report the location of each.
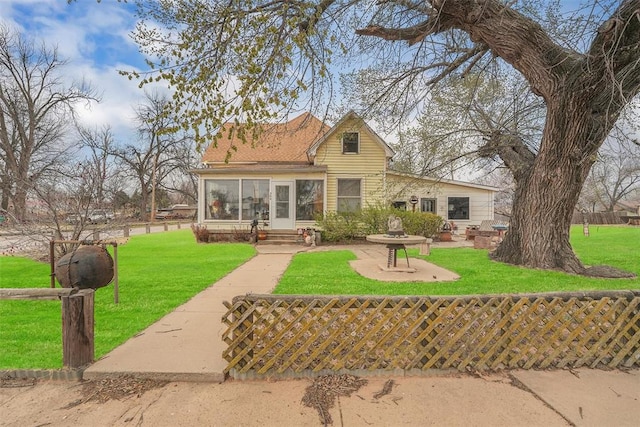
(296, 169)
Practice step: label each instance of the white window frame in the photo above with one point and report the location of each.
(340, 198)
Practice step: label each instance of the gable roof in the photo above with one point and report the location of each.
(281, 143)
(351, 115)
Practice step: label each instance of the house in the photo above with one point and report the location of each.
(296, 169)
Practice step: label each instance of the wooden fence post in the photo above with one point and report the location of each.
(125, 231)
(148, 228)
(166, 227)
(77, 329)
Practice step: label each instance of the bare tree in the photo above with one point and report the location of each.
(36, 109)
(448, 135)
(159, 152)
(249, 60)
(107, 175)
(614, 176)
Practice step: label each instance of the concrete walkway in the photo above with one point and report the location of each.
(186, 344)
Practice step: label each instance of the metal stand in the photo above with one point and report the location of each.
(392, 259)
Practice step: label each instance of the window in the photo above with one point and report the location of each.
(400, 205)
(350, 143)
(428, 205)
(309, 198)
(255, 199)
(349, 198)
(458, 208)
(222, 199)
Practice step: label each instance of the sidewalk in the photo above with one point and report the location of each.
(185, 347)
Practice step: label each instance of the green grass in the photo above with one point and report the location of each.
(329, 273)
(157, 273)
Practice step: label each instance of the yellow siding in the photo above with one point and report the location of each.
(369, 164)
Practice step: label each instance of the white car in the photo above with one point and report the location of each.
(99, 216)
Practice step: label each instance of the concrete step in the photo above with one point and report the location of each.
(276, 237)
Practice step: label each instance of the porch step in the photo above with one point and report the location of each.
(282, 237)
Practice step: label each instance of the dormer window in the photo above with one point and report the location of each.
(350, 143)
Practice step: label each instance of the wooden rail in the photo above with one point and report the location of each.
(78, 348)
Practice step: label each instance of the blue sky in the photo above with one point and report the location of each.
(94, 38)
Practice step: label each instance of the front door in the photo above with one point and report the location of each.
(282, 205)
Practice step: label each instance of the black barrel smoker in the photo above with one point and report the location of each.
(87, 267)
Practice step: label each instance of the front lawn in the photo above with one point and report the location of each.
(329, 273)
(157, 273)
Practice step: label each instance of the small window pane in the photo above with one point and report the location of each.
(255, 199)
(348, 188)
(458, 208)
(428, 205)
(282, 201)
(349, 195)
(350, 142)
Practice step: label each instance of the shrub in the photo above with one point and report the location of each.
(375, 218)
(421, 223)
(200, 232)
(338, 227)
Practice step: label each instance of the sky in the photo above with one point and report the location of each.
(94, 38)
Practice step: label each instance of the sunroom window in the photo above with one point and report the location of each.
(222, 199)
(309, 198)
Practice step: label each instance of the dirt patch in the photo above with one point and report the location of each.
(118, 388)
(10, 382)
(323, 392)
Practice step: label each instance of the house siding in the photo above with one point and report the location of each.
(481, 200)
(369, 164)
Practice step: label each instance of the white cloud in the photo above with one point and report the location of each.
(94, 39)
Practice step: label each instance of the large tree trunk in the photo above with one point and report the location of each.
(547, 189)
(548, 186)
(20, 203)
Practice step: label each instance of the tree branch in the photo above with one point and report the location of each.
(512, 150)
(614, 52)
(411, 34)
(514, 37)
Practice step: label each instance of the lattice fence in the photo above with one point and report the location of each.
(301, 335)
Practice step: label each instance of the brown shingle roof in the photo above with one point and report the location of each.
(284, 142)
